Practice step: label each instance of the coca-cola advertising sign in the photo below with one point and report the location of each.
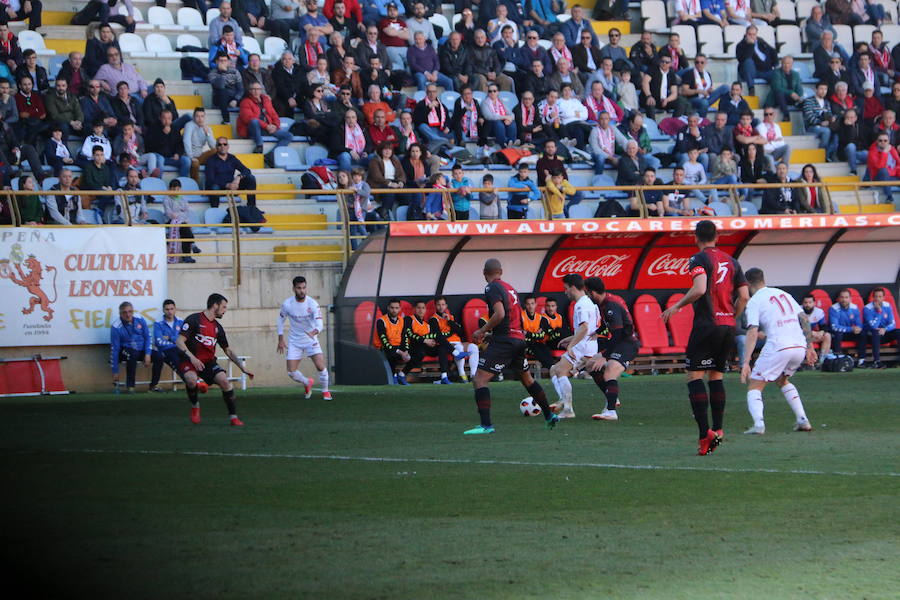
(667, 268)
(614, 265)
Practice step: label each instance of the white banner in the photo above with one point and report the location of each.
(63, 285)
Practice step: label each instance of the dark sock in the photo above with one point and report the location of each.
(483, 402)
(717, 402)
(699, 401)
(228, 397)
(612, 394)
(192, 396)
(540, 398)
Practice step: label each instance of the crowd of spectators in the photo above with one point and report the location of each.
(572, 98)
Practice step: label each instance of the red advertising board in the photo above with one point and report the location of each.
(667, 268)
(614, 265)
(606, 240)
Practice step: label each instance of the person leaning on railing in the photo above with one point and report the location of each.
(386, 172)
(813, 198)
(517, 206)
(63, 209)
(31, 211)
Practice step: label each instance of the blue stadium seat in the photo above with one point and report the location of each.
(653, 131)
(721, 209)
(748, 209)
(448, 99)
(581, 211)
(154, 214)
(189, 185)
(314, 153)
(196, 220)
(154, 184)
(214, 216)
(287, 158)
(400, 214)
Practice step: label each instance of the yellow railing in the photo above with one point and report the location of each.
(339, 230)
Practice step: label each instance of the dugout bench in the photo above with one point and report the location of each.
(175, 380)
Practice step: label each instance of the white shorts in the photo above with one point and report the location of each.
(300, 351)
(773, 363)
(584, 349)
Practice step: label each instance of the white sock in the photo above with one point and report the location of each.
(473, 359)
(443, 375)
(555, 381)
(323, 379)
(298, 377)
(565, 388)
(793, 399)
(755, 406)
(461, 366)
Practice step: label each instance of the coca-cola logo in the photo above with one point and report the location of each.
(608, 265)
(666, 264)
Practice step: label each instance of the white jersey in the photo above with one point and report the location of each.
(816, 317)
(586, 312)
(304, 316)
(776, 312)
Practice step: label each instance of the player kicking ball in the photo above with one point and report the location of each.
(506, 349)
(197, 340)
(581, 346)
(305, 319)
(616, 343)
(789, 342)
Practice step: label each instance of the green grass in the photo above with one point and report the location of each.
(120, 497)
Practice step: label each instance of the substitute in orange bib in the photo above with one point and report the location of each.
(391, 338)
(536, 329)
(423, 341)
(450, 333)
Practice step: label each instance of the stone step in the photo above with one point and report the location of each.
(308, 253)
(296, 222)
(801, 156)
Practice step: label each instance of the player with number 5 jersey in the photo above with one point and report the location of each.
(719, 294)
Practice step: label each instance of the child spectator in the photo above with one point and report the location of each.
(695, 174)
(627, 94)
(725, 171)
(557, 189)
(517, 207)
(461, 196)
(489, 201)
(434, 202)
(179, 214)
(96, 138)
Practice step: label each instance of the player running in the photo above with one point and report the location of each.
(789, 342)
(585, 321)
(717, 280)
(197, 340)
(506, 348)
(616, 343)
(305, 318)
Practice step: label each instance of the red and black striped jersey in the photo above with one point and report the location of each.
(723, 278)
(202, 335)
(511, 325)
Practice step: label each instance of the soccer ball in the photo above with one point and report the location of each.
(529, 408)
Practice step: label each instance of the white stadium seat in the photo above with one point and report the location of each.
(191, 19)
(891, 32)
(251, 45)
(133, 44)
(138, 17)
(688, 37)
(804, 8)
(188, 39)
(545, 44)
(710, 37)
(274, 46)
(890, 9)
(35, 41)
(456, 19)
(160, 17)
(509, 100)
(160, 45)
(767, 33)
(787, 11)
(563, 17)
(653, 12)
(212, 13)
(442, 22)
(863, 33)
(844, 37)
(789, 41)
(733, 34)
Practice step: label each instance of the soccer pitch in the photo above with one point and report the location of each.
(379, 495)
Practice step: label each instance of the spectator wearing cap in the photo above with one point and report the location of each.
(395, 35)
(227, 86)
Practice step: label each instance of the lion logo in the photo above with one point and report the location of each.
(31, 281)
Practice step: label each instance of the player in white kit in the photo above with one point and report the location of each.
(579, 347)
(305, 325)
(788, 344)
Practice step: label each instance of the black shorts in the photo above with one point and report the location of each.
(623, 352)
(504, 352)
(709, 348)
(208, 374)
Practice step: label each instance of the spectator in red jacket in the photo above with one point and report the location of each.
(258, 115)
(884, 164)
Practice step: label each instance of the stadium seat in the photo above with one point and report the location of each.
(154, 214)
(429, 309)
(161, 18)
(406, 308)
(314, 153)
(441, 21)
(803, 11)
(653, 131)
(33, 40)
(154, 184)
(140, 21)
(91, 216)
(767, 33)
(823, 301)
(787, 12)
(891, 32)
(191, 19)
(540, 303)
(251, 45)
(448, 99)
(733, 34)
(710, 39)
(211, 13)
(545, 44)
(509, 100)
(189, 185)
(688, 39)
(49, 182)
(651, 329)
(653, 13)
(472, 311)
(680, 324)
(789, 43)
(844, 36)
(721, 209)
(363, 316)
(418, 95)
(401, 212)
(133, 44)
(863, 33)
(286, 123)
(287, 158)
(479, 96)
(56, 62)
(748, 208)
(216, 216)
(160, 45)
(274, 46)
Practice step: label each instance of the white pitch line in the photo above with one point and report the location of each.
(464, 461)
